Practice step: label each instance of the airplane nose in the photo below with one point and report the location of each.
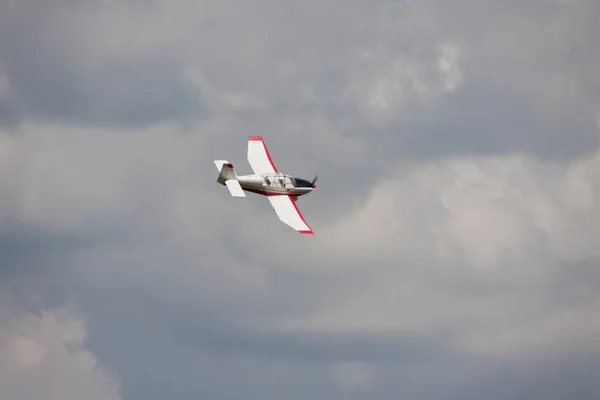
(313, 186)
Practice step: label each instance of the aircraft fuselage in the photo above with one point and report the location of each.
(274, 184)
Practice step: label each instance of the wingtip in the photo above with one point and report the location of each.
(306, 232)
(259, 138)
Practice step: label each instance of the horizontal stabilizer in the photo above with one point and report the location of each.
(234, 188)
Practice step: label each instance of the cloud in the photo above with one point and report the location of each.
(41, 356)
(351, 376)
(186, 60)
(483, 256)
(456, 244)
(501, 231)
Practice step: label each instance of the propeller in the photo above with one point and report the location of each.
(315, 180)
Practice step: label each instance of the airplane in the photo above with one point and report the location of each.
(281, 189)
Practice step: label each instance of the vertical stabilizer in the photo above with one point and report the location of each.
(228, 177)
(219, 164)
(227, 172)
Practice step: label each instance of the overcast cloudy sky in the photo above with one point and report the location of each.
(456, 252)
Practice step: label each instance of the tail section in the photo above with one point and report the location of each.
(228, 177)
(226, 173)
(219, 164)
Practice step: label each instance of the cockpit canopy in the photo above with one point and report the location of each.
(281, 177)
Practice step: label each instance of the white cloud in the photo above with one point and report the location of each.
(41, 357)
(24, 352)
(385, 82)
(448, 63)
(482, 210)
(505, 222)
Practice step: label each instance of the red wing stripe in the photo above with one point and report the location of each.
(309, 231)
(260, 139)
(269, 157)
(288, 213)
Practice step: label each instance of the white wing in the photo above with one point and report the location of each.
(259, 157)
(288, 213)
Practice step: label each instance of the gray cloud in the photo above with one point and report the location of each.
(454, 257)
(389, 74)
(66, 62)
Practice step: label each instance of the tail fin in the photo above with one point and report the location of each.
(219, 164)
(226, 172)
(228, 177)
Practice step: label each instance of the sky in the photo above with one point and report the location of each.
(456, 252)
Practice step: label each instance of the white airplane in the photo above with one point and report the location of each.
(281, 189)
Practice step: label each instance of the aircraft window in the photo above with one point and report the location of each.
(302, 183)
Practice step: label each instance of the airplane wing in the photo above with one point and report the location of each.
(259, 157)
(288, 213)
